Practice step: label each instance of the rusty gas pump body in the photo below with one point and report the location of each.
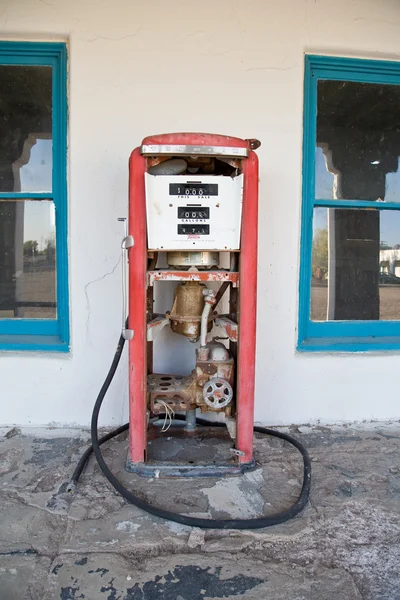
(193, 221)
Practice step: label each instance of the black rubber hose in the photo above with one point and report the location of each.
(256, 523)
(87, 454)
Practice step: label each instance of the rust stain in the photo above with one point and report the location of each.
(231, 332)
(154, 323)
(193, 276)
(230, 327)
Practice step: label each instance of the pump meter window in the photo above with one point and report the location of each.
(199, 213)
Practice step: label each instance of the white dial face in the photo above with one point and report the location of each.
(192, 212)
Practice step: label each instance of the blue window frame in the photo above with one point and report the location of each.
(332, 332)
(23, 329)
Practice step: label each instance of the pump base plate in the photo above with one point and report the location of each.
(158, 469)
(204, 452)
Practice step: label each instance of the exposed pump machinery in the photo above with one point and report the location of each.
(193, 220)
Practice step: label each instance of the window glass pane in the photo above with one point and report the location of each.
(25, 128)
(355, 265)
(358, 141)
(27, 259)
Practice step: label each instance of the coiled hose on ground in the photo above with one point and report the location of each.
(256, 523)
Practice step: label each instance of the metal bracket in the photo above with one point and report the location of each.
(127, 242)
(127, 334)
(236, 452)
(229, 326)
(155, 325)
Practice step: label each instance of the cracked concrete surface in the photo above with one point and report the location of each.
(344, 546)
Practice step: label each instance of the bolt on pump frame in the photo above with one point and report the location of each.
(138, 282)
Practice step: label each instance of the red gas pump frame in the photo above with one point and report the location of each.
(247, 285)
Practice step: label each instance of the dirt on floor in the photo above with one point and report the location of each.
(93, 545)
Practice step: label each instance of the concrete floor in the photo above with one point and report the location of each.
(92, 545)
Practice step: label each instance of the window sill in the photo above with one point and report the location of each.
(32, 343)
(350, 345)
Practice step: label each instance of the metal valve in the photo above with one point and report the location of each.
(217, 393)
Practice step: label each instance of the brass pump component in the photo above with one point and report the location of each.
(186, 311)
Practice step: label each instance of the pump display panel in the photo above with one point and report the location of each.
(193, 189)
(193, 229)
(185, 213)
(193, 212)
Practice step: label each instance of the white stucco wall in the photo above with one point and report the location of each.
(231, 67)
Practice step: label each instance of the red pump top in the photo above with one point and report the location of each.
(196, 139)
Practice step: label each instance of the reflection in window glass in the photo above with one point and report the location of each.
(357, 133)
(27, 259)
(392, 193)
(325, 180)
(355, 265)
(35, 175)
(25, 128)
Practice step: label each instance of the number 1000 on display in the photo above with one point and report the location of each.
(193, 189)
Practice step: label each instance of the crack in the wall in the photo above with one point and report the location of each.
(111, 39)
(190, 36)
(51, 4)
(87, 294)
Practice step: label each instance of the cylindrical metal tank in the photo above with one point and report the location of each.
(185, 315)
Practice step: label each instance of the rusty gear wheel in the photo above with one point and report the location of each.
(217, 393)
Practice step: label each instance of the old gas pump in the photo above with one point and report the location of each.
(193, 225)
(193, 220)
